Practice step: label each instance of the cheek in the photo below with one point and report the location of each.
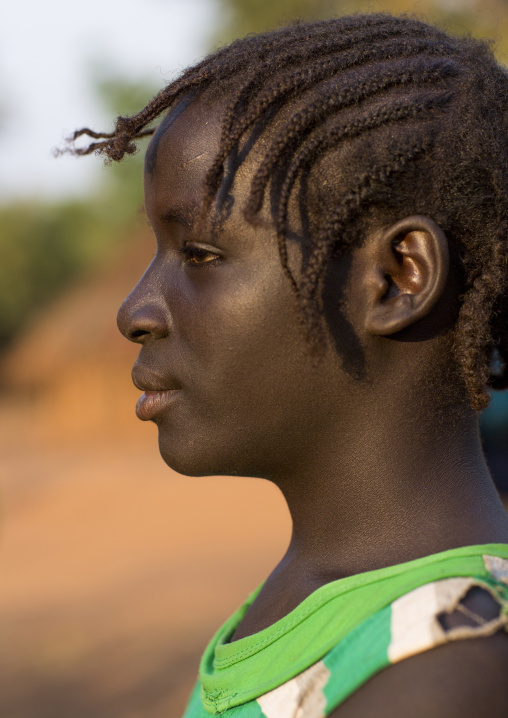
(240, 326)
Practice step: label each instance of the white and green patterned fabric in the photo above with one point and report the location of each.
(309, 662)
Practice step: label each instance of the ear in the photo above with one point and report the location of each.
(405, 273)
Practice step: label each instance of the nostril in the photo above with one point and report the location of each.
(140, 318)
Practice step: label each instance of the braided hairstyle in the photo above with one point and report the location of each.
(383, 117)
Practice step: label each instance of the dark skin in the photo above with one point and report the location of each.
(371, 477)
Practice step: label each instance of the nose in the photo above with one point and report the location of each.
(143, 315)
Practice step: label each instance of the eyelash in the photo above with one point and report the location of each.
(192, 255)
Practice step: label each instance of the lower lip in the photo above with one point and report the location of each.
(152, 403)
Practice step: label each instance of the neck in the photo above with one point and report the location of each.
(370, 494)
(392, 503)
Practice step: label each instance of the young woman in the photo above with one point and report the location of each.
(326, 309)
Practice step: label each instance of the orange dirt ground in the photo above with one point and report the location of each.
(116, 571)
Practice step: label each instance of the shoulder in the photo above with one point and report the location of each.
(462, 679)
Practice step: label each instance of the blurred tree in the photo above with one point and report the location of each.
(45, 246)
(482, 18)
(124, 180)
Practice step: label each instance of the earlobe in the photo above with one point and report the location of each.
(406, 272)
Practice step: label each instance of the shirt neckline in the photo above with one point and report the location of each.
(225, 650)
(234, 673)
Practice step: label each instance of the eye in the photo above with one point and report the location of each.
(195, 254)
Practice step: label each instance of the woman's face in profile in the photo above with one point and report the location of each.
(223, 364)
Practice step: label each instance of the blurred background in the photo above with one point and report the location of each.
(116, 571)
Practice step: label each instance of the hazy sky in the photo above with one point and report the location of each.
(46, 51)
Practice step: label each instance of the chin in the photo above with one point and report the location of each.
(185, 460)
(208, 461)
(206, 450)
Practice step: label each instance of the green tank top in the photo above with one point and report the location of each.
(342, 634)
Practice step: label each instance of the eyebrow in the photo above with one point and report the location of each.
(175, 215)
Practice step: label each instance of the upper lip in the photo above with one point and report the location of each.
(146, 380)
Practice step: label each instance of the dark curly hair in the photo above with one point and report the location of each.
(390, 117)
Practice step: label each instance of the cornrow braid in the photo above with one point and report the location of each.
(336, 98)
(293, 85)
(365, 189)
(474, 335)
(224, 64)
(328, 137)
(322, 48)
(357, 112)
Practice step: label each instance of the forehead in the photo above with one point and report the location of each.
(182, 150)
(190, 125)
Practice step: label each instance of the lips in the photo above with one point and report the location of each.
(153, 403)
(145, 380)
(158, 394)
